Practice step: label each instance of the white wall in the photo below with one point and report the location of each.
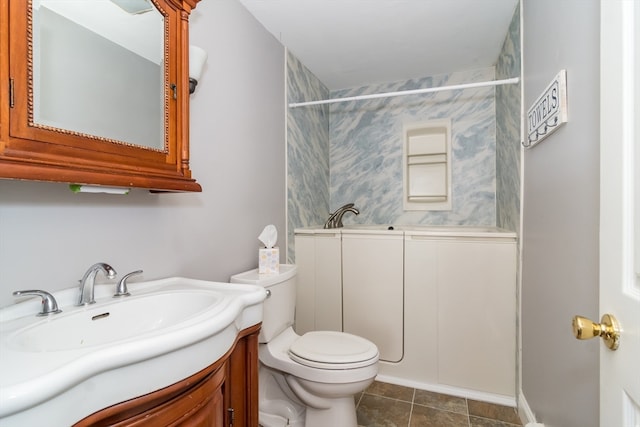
(49, 236)
(561, 205)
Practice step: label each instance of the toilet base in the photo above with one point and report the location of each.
(328, 404)
(278, 406)
(288, 401)
(271, 420)
(342, 413)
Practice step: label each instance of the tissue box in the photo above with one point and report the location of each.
(269, 260)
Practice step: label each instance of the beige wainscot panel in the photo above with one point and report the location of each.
(319, 293)
(477, 303)
(372, 289)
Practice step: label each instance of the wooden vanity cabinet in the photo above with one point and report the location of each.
(241, 392)
(223, 394)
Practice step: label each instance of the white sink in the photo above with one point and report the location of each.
(116, 349)
(113, 321)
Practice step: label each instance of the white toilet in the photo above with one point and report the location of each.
(307, 380)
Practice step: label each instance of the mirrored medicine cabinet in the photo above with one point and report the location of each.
(96, 92)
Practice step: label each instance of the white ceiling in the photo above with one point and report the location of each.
(349, 43)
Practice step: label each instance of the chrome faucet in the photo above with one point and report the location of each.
(88, 281)
(49, 303)
(335, 219)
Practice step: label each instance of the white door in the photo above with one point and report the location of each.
(620, 209)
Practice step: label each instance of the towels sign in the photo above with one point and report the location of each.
(548, 112)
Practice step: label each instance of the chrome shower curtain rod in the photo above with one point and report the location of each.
(513, 80)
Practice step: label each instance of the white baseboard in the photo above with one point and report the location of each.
(524, 411)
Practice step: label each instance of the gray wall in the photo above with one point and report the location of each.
(561, 205)
(49, 236)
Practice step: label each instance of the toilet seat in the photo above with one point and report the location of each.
(333, 350)
(276, 355)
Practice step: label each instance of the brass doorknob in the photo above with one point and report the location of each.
(608, 329)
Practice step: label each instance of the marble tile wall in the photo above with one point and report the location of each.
(307, 151)
(352, 152)
(366, 150)
(508, 131)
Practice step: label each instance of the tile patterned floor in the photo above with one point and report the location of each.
(389, 405)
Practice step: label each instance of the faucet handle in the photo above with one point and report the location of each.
(121, 289)
(49, 304)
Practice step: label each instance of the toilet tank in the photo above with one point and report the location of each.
(279, 307)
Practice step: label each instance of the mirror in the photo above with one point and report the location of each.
(103, 61)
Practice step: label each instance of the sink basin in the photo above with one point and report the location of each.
(167, 330)
(112, 322)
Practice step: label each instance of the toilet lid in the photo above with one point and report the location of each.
(333, 350)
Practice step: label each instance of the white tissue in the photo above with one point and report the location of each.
(269, 236)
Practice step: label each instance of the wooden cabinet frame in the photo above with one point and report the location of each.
(33, 152)
(223, 394)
